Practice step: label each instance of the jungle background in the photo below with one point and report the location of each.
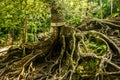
(20, 21)
(25, 32)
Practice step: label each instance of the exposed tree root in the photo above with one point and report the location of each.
(66, 55)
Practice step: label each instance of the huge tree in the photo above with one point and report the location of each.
(85, 51)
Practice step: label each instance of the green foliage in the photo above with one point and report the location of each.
(17, 16)
(106, 8)
(87, 66)
(94, 44)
